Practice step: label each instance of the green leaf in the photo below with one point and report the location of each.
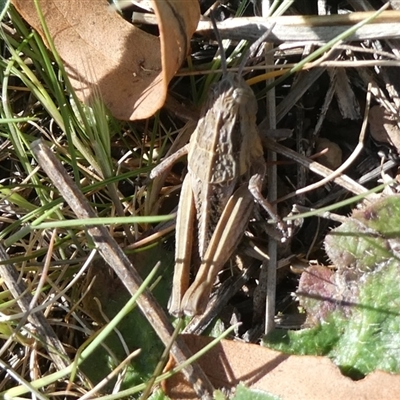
(159, 395)
(356, 309)
(244, 393)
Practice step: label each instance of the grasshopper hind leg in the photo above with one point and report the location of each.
(183, 251)
(224, 241)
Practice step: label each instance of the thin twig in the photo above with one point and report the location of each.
(343, 180)
(268, 270)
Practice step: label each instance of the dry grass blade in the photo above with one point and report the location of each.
(308, 28)
(48, 337)
(299, 28)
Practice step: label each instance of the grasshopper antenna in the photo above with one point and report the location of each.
(219, 41)
(253, 48)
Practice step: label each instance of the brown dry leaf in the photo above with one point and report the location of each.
(383, 127)
(333, 157)
(289, 377)
(103, 52)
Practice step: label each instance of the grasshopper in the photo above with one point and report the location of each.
(226, 168)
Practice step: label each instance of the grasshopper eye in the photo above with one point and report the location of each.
(241, 95)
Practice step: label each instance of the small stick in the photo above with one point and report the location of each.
(268, 269)
(120, 263)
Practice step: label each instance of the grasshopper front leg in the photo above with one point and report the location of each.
(168, 162)
(255, 186)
